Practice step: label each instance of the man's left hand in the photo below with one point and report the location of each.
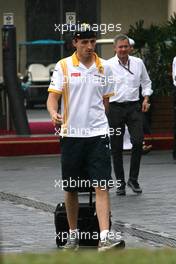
(145, 106)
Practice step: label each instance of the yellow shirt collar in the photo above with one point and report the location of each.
(98, 63)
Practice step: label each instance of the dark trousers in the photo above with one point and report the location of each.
(130, 114)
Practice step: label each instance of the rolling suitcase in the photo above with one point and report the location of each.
(88, 226)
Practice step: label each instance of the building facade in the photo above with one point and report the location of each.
(36, 19)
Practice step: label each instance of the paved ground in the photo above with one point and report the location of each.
(27, 225)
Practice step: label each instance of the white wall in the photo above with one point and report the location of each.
(128, 12)
(171, 7)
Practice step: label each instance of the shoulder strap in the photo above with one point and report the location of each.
(64, 67)
(64, 70)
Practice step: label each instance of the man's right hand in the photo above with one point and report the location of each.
(56, 118)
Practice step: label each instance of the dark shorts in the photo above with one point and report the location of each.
(85, 162)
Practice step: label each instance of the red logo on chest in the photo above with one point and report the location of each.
(75, 74)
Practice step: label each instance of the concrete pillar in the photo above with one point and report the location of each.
(171, 7)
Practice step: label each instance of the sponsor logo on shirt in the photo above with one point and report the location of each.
(75, 74)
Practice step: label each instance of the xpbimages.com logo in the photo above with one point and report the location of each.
(102, 28)
(86, 183)
(87, 235)
(72, 131)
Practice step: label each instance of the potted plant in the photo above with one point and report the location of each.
(156, 45)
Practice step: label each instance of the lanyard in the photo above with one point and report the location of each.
(126, 68)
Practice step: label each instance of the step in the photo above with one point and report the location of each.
(29, 145)
(12, 145)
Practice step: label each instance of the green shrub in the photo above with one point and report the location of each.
(156, 45)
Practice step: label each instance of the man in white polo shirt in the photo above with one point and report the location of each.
(84, 89)
(124, 109)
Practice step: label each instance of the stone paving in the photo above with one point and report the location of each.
(25, 228)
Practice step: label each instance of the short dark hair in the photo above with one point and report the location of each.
(121, 37)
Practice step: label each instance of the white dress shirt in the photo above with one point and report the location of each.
(128, 79)
(174, 71)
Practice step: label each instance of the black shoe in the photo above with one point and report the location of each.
(121, 189)
(174, 155)
(146, 149)
(134, 185)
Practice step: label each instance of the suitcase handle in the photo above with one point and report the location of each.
(90, 198)
(90, 190)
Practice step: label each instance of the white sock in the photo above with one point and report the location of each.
(103, 234)
(73, 233)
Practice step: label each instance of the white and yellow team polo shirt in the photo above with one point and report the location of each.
(82, 90)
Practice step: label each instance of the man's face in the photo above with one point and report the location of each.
(122, 48)
(85, 47)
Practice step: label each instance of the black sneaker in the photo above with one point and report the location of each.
(146, 149)
(134, 185)
(111, 242)
(121, 189)
(174, 155)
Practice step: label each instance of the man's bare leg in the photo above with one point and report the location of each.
(103, 211)
(72, 206)
(102, 208)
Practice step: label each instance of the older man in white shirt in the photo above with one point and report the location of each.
(129, 73)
